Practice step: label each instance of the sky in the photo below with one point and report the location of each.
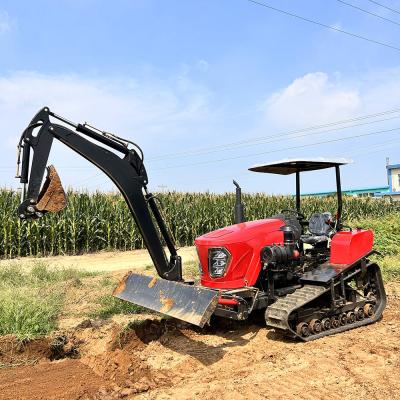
(207, 88)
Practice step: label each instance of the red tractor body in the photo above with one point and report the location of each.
(243, 242)
(349, 246)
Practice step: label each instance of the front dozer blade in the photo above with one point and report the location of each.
(188, 303)
(52, 197)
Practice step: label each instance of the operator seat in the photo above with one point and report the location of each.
(318, 227)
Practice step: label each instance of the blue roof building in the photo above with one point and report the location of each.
(392, 189)
(393, 174)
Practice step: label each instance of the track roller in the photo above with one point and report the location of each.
(326, 324)
(359, 312)
(315, 326)
(369, 310)
(343, 319)
(335, 323)
(303, 329)
(351, 317)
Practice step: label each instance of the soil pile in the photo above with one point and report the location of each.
(158, 359)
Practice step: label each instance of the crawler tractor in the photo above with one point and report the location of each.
(312, 276)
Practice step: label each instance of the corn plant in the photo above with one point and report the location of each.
(101, 221)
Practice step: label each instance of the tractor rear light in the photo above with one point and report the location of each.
(218, 260)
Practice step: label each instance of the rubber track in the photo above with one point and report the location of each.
(277, 315)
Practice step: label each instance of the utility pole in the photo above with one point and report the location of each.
(388, 176)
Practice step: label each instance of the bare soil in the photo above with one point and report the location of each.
(105, 261)
(160, 359)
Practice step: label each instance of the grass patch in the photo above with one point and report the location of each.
(28, 313)
(16, 275)
(109, 305)
(191, 270)
(107, 281)
(386, 231)
(386, 241)
(390, 267)
(32, 297)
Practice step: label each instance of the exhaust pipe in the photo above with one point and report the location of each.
(239, 209)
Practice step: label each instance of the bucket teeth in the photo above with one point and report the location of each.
(52, 197)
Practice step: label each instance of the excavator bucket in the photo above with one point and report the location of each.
(188, 303)
(52, 197)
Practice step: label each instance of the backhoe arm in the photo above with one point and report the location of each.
(126, 170)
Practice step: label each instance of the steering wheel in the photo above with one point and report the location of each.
(298, 214)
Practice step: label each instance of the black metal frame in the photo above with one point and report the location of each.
(128, 173)
(338, 194)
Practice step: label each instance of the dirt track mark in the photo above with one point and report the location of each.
(62, 380)
(163, 359)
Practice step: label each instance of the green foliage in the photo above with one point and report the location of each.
(99, 221)
(387, 232)
(28, 313)
(32, 297)
(40, 274)
(390, 267)
(110, 305)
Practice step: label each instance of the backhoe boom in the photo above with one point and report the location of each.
(127, 172)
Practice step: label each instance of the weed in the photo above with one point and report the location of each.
(110, 305)
(28, 313)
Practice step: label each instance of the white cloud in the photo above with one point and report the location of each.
(311, 99)
(5, 22)
(151, 114)
(115, 104)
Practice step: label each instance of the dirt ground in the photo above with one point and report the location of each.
(163, 359)
(106, 261)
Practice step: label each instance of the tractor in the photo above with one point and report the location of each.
(312, 276)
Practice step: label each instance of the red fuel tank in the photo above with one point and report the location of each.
(349, 246)
(241, 245)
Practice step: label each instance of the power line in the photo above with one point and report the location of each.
(389, 144)
(260, 139)
(226, 146)
(274, 138)
(282, 149)
(324, 25)
(97, 175)
(370, 149)
(249, 175)
(369, 12)
(387, 8)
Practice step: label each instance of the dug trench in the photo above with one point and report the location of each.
(162, 359)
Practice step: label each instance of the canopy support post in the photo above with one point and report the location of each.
(298, 191)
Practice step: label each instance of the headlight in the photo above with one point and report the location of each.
(218, 260)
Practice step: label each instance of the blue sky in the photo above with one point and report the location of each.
(185, 78)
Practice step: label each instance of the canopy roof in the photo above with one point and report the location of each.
(290, 166)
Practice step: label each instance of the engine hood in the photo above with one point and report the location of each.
(243, 242)
(240, 232)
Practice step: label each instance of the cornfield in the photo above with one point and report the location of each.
(100, 221)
